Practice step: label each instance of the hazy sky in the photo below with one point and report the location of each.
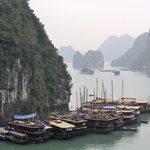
(85, 24)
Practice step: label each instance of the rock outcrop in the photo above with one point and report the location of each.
(114, 47)
(143, 60)
(132, 54)
(91, 58)
(33, 77)
(67, 52)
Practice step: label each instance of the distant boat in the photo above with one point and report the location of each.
(89, 70)
(129, 129)
(116, 72)
(143, 121)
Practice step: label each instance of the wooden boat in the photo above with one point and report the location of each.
(18, 137)
(118, 121)
(143, 105)
(99, 124)
(129, 129)
(36, 132)
(143, 121)
(3, 134)
(135, 110)
(116, 72)
(114, 112)
(89, 70)
(62, 129)
(79, 123)
(129, 116)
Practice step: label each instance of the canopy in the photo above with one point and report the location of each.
(24, 116)
(109, 107)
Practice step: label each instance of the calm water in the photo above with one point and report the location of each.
(136, 84)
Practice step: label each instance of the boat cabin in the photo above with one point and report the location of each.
(36, 131)
(3, 133)
(17, 137)
(62, 129)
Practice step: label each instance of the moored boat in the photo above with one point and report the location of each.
(129, 116)
(98, 123)
(17, 137)
(3, 134)
(143, 121)
(79, 123)
(36, 131)
(62, 129)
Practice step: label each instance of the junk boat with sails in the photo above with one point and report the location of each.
(89, 70)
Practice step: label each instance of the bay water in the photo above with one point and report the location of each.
(135, 84)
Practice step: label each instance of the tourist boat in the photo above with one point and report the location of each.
(80, 124)
(61, 129)
(135, 109)
(99, 123)
(143, 105)
(116, 72)
(114, 112)
(36, 132)
(17, 137)
(89, 70)
(128, 116)
(3, 134)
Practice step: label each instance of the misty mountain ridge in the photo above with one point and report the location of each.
(114, 47)
(143, 60)
(127, 60)
(90, 58)
(67, 52)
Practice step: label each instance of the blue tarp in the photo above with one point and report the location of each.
(62, 117)
(24, 116)
(109, 107)
(40, 125)
(81, 115)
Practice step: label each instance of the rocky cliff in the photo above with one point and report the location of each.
(33, 77)
(116, 46)
(67, 52)
(94, 58)
(143, 60)
(128, 59)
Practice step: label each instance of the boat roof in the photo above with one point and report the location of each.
(69, 120)
(27, 124)
(75, 121)
(61, 124)
(131, 100)
(128, 107)
(2, 130)
(102, 100)
(127, 111)
(18, 133)
(109, 107)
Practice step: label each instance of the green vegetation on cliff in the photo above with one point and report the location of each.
(22, 37)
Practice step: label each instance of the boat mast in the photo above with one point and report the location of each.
(112, 89)
(96, 88)
(77, 100)
(122, 88)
